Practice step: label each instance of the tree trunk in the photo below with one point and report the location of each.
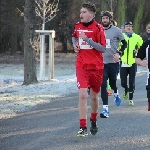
(138, 16)
(121, 12)
(29, 52)
(13, 39)
(105, 6)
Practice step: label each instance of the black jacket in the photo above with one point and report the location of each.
(146, 36)
(144, 52)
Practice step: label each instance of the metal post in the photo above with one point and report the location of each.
(42, 57)
(51, 55)
(51, 34)
(52, 58)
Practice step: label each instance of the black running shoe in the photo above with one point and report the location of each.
(82, 132)
(93, 128)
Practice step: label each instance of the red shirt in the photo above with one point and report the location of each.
(88, 57)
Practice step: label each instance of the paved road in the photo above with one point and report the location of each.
(53, 126)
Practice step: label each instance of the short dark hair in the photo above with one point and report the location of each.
(89, 7)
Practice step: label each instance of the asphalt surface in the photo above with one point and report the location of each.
(53, 126)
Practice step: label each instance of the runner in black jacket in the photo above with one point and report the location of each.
(144, 52)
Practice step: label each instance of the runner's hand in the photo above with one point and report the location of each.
(116, 57)
(144, 63)
(82, 35)
(76, 48)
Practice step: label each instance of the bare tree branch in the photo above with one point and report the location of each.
(20, 12)
(46, 10)
(38, 13)
(113, 2)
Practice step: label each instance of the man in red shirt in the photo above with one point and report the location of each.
(89, 43)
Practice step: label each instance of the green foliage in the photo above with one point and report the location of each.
(136, 11)
(138, 16)
(121, 12)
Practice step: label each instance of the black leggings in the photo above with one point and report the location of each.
(148, 88)
(148, 93)
(104, 94)
(124, 72)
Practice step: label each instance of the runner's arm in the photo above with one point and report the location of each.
(74, 41)
(141, 55)
(142, 51)
(95, 45)
(123, 46)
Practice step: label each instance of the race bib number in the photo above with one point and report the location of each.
(125, 65)
(108, 43)
(82, 43)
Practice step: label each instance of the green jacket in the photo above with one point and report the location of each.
(133, 42)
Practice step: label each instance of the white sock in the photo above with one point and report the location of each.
(116, 94)
(105, 107)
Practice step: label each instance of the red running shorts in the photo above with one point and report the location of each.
(89, 79)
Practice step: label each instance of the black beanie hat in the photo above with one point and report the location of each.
(128, 23)
(106, 13)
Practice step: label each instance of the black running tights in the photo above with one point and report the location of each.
(104, 94)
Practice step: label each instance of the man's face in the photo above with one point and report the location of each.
(128, 28)
(148, 31)
(105, 21)
(123, 30)
(85, 15)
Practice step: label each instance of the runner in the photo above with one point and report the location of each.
(127, 63)
(147, 33)
(89, 43)
(144, 52)
(109, 90)
(111, 61)
(122, 28)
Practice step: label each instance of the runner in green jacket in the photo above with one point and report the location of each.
(128, 65)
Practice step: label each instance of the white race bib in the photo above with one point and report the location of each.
(82, 43)
(125, 65)
(108, 43)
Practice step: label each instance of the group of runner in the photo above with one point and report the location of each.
(102, 51)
